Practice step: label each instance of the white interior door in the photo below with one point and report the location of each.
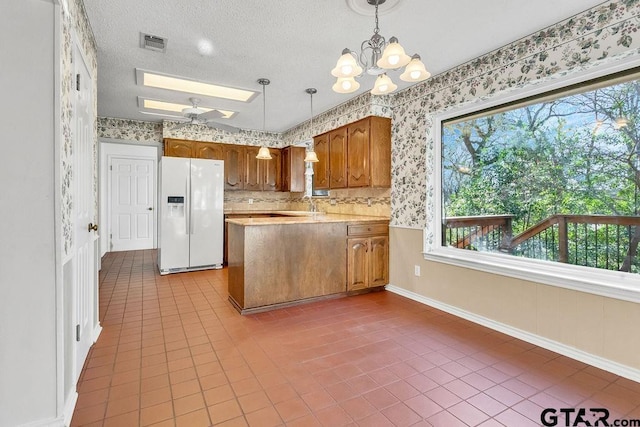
(132, 212)
(85, 232)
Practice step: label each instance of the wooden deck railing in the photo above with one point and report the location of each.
(609, 242)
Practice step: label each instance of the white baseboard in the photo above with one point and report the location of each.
(572, 352)
(69, 407)
(96, 332)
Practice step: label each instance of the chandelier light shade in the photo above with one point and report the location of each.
(347, 66)
(376, 57)
(393, 56)
(346, 85)
(263, 153)
(311, 155)
(383, 85)
(415, 70)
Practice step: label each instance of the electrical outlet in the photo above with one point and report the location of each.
(416, 270)
(250, 201)
(369, 201)
(333, 202)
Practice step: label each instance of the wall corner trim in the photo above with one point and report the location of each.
(563, 349)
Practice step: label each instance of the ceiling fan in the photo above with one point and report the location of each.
(199, 116)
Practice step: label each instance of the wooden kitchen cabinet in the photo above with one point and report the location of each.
(354, 155)
(293, 169)
(208, 150)
(369, 153)
(338, 158)
(321, 168)
(234, 156)
(367, 256)
(262, 175)
(178, 148)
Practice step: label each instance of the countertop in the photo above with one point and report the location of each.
(301, 217)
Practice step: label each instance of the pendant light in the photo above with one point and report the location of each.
(311, 155)
(263, 153)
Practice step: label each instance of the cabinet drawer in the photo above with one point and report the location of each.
(367, 229)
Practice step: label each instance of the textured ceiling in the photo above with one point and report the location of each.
(294, 43)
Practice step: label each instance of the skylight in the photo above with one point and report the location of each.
(181, 84)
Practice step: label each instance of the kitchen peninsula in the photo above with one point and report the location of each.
(303, 256)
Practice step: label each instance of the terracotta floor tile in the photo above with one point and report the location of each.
(254, 401)
(266, 417)
(130, 419)
(198, 418)
(184, 405)
(172, 344)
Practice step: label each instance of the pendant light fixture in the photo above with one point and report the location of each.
(263, 153)
(311, 155)
(376, 57)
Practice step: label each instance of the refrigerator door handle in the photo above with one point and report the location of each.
(187, 205)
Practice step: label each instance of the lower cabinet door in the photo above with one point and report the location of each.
(357, 264)
(379, 261)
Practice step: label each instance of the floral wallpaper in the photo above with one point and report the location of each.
(604, 33)
(204, 133)
(129, 130)
(74, 19)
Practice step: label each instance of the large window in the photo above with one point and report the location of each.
(555, 178)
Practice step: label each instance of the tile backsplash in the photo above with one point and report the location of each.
(358, 201)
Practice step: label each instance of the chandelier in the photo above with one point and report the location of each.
(376, 57)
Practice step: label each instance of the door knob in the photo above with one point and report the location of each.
(149, 209)
(92, 227)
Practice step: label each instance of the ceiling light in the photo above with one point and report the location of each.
(311, 155)
(264, 153)
(383, 85)
(345, 85)
(154, 104)
(375, 58)
(180, 84)
(415, 70)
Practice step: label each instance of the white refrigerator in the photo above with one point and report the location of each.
(191, 214)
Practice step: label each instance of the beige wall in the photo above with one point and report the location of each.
(603, 327)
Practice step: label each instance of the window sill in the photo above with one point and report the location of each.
(611, 284)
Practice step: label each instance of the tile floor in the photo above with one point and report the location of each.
(173, 352)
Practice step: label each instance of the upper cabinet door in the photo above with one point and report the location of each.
(233, 167)
(178, 148)
(380, 151)
(252, 175)
(272, 180)
(338, 158)
(358, 154)
(208, 150)
(321, 168)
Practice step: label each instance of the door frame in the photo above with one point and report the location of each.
(110, 148)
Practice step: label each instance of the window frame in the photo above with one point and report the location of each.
(607, 283)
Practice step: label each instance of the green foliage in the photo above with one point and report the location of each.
(546, 159)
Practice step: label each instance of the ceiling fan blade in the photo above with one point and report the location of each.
(228, 128)
(209, 115)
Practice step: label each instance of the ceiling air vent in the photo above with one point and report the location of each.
(155, 43)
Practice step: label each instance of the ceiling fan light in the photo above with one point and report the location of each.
(383, 85)
(393, 56)
(346, 65)
(264, 154)
(311, 157)
(415, 70)
(345, 85)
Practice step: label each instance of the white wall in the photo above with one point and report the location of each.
(28, 274)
